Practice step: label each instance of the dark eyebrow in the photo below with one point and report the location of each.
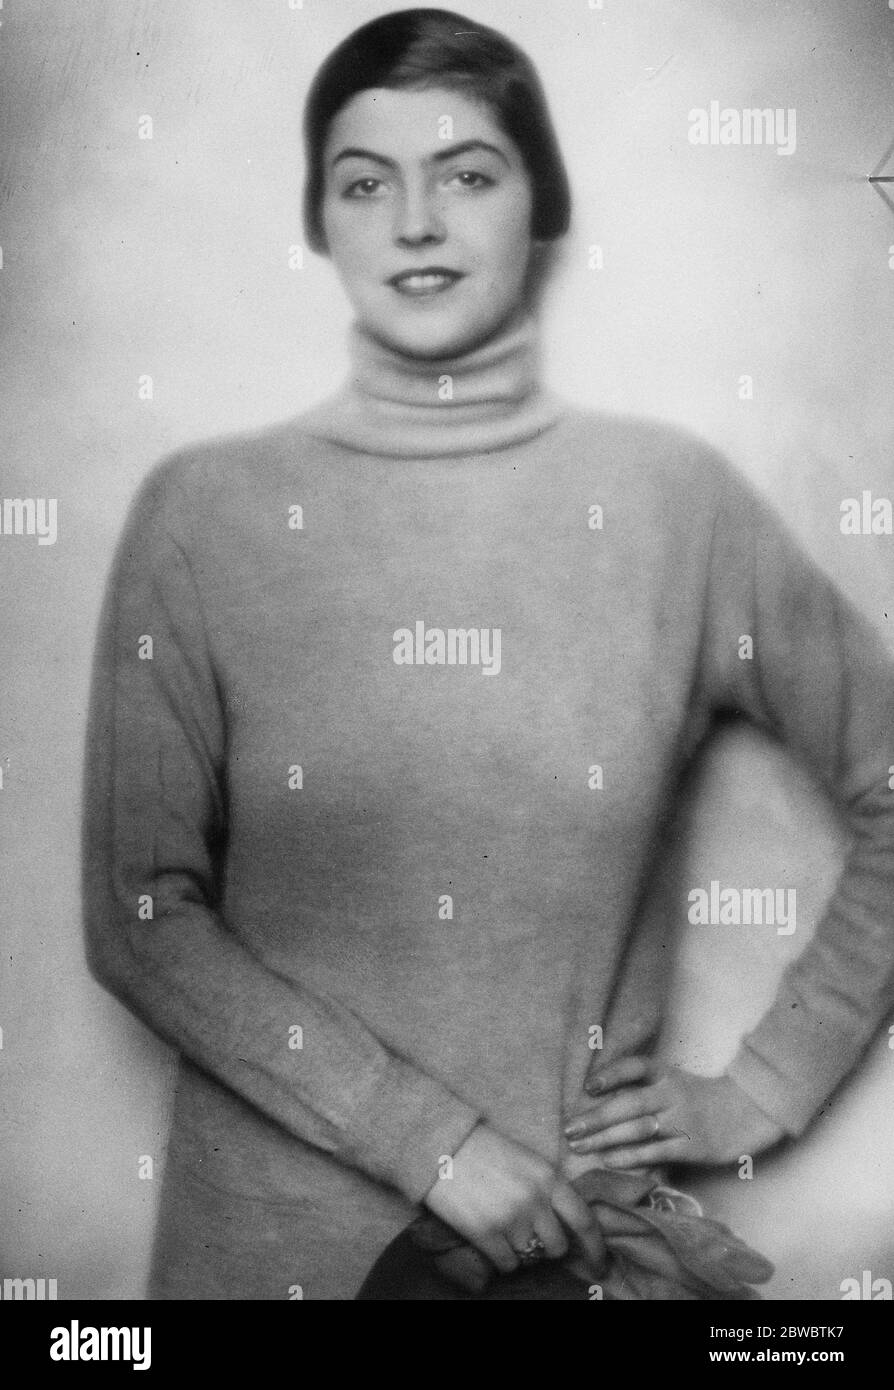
(465, 147)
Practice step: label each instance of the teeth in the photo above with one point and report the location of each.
(424, 282)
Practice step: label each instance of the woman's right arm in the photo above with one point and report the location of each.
(154, 822)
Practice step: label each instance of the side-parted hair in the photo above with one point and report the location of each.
(418, 49)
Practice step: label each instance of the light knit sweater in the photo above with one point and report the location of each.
(373, 900)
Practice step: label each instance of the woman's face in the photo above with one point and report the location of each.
(427, 215)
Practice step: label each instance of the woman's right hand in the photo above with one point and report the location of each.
(500, 1195)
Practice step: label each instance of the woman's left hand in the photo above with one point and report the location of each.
(649, 1113)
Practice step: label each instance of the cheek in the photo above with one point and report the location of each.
(504, 257)
(352, 248)
(501, 240)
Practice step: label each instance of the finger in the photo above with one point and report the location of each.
(619, 1073)
(498, 1250)
(551, 1231)
(520, 1237)
(626, 1104)
(571, 1208)
(647, 1127)
(679, 1149)
(542, 1229)
(593, 1246)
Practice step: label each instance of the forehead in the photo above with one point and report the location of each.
(410, 125)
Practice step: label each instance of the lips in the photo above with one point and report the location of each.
(427, 280)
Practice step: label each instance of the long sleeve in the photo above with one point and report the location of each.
(154, 834)
(822, 681)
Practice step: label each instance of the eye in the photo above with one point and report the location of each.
(364, 188)
(471, 179)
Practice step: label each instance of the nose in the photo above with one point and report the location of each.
(418, 219)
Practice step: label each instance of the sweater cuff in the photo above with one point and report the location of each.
(790, 1070)
(770, 1092)
(415, 1123)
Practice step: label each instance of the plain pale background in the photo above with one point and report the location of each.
(170, 257)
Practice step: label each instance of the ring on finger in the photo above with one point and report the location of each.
(532, 1251)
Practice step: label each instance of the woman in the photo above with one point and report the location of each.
(389, 706)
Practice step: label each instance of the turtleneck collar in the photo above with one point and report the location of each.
(407, 407)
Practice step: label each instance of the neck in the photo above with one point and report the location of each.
(411, 407)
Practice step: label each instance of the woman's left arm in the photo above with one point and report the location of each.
(820, 678)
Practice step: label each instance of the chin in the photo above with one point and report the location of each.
(430, 334)
(434, 341)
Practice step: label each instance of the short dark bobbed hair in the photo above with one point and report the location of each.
(418, 49)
